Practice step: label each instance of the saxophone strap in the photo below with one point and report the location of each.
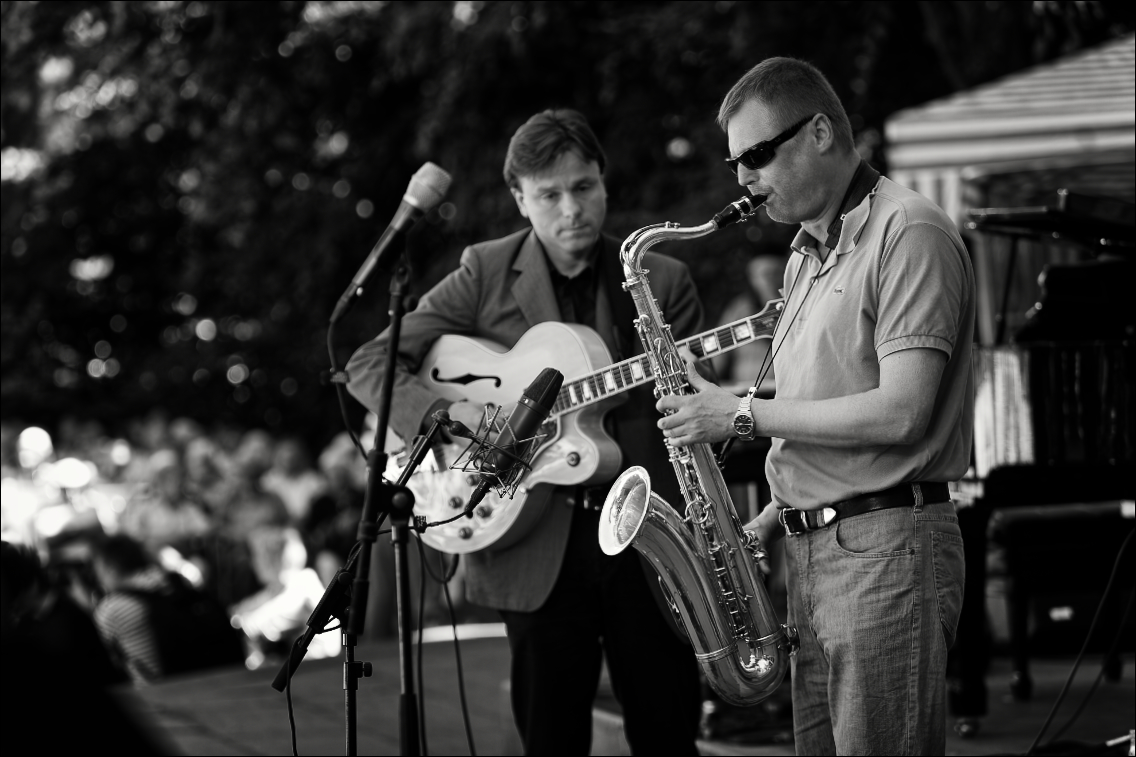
(861, 184)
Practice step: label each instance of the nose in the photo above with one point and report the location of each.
(747, 176)
(570, 206)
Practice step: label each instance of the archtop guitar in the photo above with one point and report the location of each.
(575, 449)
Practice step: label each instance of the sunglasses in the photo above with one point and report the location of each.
(762, 154)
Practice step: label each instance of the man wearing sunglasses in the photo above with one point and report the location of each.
(873, 416)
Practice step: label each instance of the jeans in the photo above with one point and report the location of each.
(601, 607)
(876, 600)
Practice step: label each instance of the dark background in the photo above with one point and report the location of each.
(196, 182)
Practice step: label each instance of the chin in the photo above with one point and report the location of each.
(780, 215)
(579, 245)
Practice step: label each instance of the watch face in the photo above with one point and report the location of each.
(743, 425)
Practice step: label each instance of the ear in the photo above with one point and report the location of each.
(824, 136)
(520, 198)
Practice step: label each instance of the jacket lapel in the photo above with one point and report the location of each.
(533, 286)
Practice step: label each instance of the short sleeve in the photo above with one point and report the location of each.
(921, 291)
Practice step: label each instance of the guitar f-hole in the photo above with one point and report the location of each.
(465, 379)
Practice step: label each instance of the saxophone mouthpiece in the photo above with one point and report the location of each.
(738, 211)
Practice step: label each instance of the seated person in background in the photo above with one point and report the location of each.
(331, 525)
(273, 617)
(292, 479)
(160, 513)
(208, 475)
(37, 609)
(153, 621)
(251, 507)
(738, 369)
(56, 672)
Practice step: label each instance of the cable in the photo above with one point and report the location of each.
(442, 522)
(447, 574)
(288, 694)
(339, 391)
(1100, 674)
(1084, 646)
(457, 656)
(444, 579)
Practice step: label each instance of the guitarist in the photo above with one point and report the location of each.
(565, 604)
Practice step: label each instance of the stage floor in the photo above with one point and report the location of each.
(236, 712)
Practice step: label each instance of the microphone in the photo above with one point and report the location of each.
(505, 463)
(427, 188)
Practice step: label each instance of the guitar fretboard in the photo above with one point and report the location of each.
(628, 374)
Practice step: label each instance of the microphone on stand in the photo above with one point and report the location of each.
(510, 451)
(427, 188)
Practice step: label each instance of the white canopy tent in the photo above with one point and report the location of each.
(1070, 123)
(1078, 110)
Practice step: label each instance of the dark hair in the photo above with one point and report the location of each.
(122, 554)
(544, 138)
(792, 89)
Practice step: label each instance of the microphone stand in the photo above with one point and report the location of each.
(347, 594)
(398, 503)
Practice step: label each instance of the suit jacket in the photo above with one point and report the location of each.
(501, 289)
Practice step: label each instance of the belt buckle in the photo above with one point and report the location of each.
(792, 520)
(796, 522)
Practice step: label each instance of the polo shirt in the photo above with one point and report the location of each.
(899, 278)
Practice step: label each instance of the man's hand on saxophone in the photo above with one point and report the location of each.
(704, 417)
(768, 529)
(707, 417)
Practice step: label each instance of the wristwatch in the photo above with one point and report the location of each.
(744, 426)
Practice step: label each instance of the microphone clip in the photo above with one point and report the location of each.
(519, 453)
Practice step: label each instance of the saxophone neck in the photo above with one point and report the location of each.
(636, 245)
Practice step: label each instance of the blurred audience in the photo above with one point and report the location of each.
(160, 512)
(130, 529)
(333, 519)
(250, 506)
(292, 479)
(276, 614)
(152, 620)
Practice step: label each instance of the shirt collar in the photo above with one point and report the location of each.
(854, 222)
(586, 273)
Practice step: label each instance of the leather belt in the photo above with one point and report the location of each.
(905, 495)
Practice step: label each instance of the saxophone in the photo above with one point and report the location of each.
(707, 564)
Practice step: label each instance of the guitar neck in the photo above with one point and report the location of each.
(628, 374)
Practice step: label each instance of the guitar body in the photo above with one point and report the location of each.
(576, 449)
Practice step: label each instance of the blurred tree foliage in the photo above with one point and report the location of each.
(188, 186)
